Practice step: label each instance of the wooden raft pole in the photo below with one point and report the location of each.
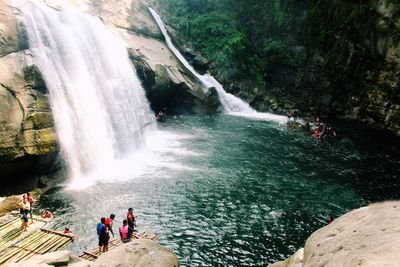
(90, 254)
(7, 223)
(11, 234)
(39, 242)
(57, 233)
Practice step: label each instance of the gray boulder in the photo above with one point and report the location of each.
(368, 236)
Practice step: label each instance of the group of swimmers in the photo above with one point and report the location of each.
(321, 129)
(105, 227)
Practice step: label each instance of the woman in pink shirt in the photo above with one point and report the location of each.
(124, 231)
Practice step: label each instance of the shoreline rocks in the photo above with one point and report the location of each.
(367, 236)
(140, 253)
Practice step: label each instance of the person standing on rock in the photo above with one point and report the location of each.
(131, 218)
(103, 234)
(109, 222)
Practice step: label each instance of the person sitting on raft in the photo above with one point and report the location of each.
(125, 232)
(47, 215)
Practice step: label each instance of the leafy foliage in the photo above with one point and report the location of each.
(319, 47)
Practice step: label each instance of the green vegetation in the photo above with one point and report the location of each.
(300, 51)
(235, 35)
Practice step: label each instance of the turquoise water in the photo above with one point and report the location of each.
(242, 192)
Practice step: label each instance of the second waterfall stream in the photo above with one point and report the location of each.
(230, 103)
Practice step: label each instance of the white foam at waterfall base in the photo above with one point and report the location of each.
(102, 117)
(158, 157)
(231, 104)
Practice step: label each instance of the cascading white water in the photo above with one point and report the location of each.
(97, 101)
(230, 103)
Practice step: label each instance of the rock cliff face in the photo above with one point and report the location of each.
(166, 81)
(364, 237)
(337, 58)
(27, 139)
(382, 102)
(28, 144)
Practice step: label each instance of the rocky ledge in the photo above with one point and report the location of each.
(142, 252)
(368, 236)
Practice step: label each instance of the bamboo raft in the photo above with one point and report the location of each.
(40, 242)
(10, 231)
(93, 254)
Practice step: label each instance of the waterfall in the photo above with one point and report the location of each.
(230, 103)
(99, 106)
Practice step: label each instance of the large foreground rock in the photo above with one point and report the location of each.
(140, 253)
(367, 236)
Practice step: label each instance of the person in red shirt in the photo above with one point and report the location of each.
(109, 222)
(31, 201)
(47, 215)
(317, 133)
(67, 231)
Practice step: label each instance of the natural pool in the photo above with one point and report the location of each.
(226, 191)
